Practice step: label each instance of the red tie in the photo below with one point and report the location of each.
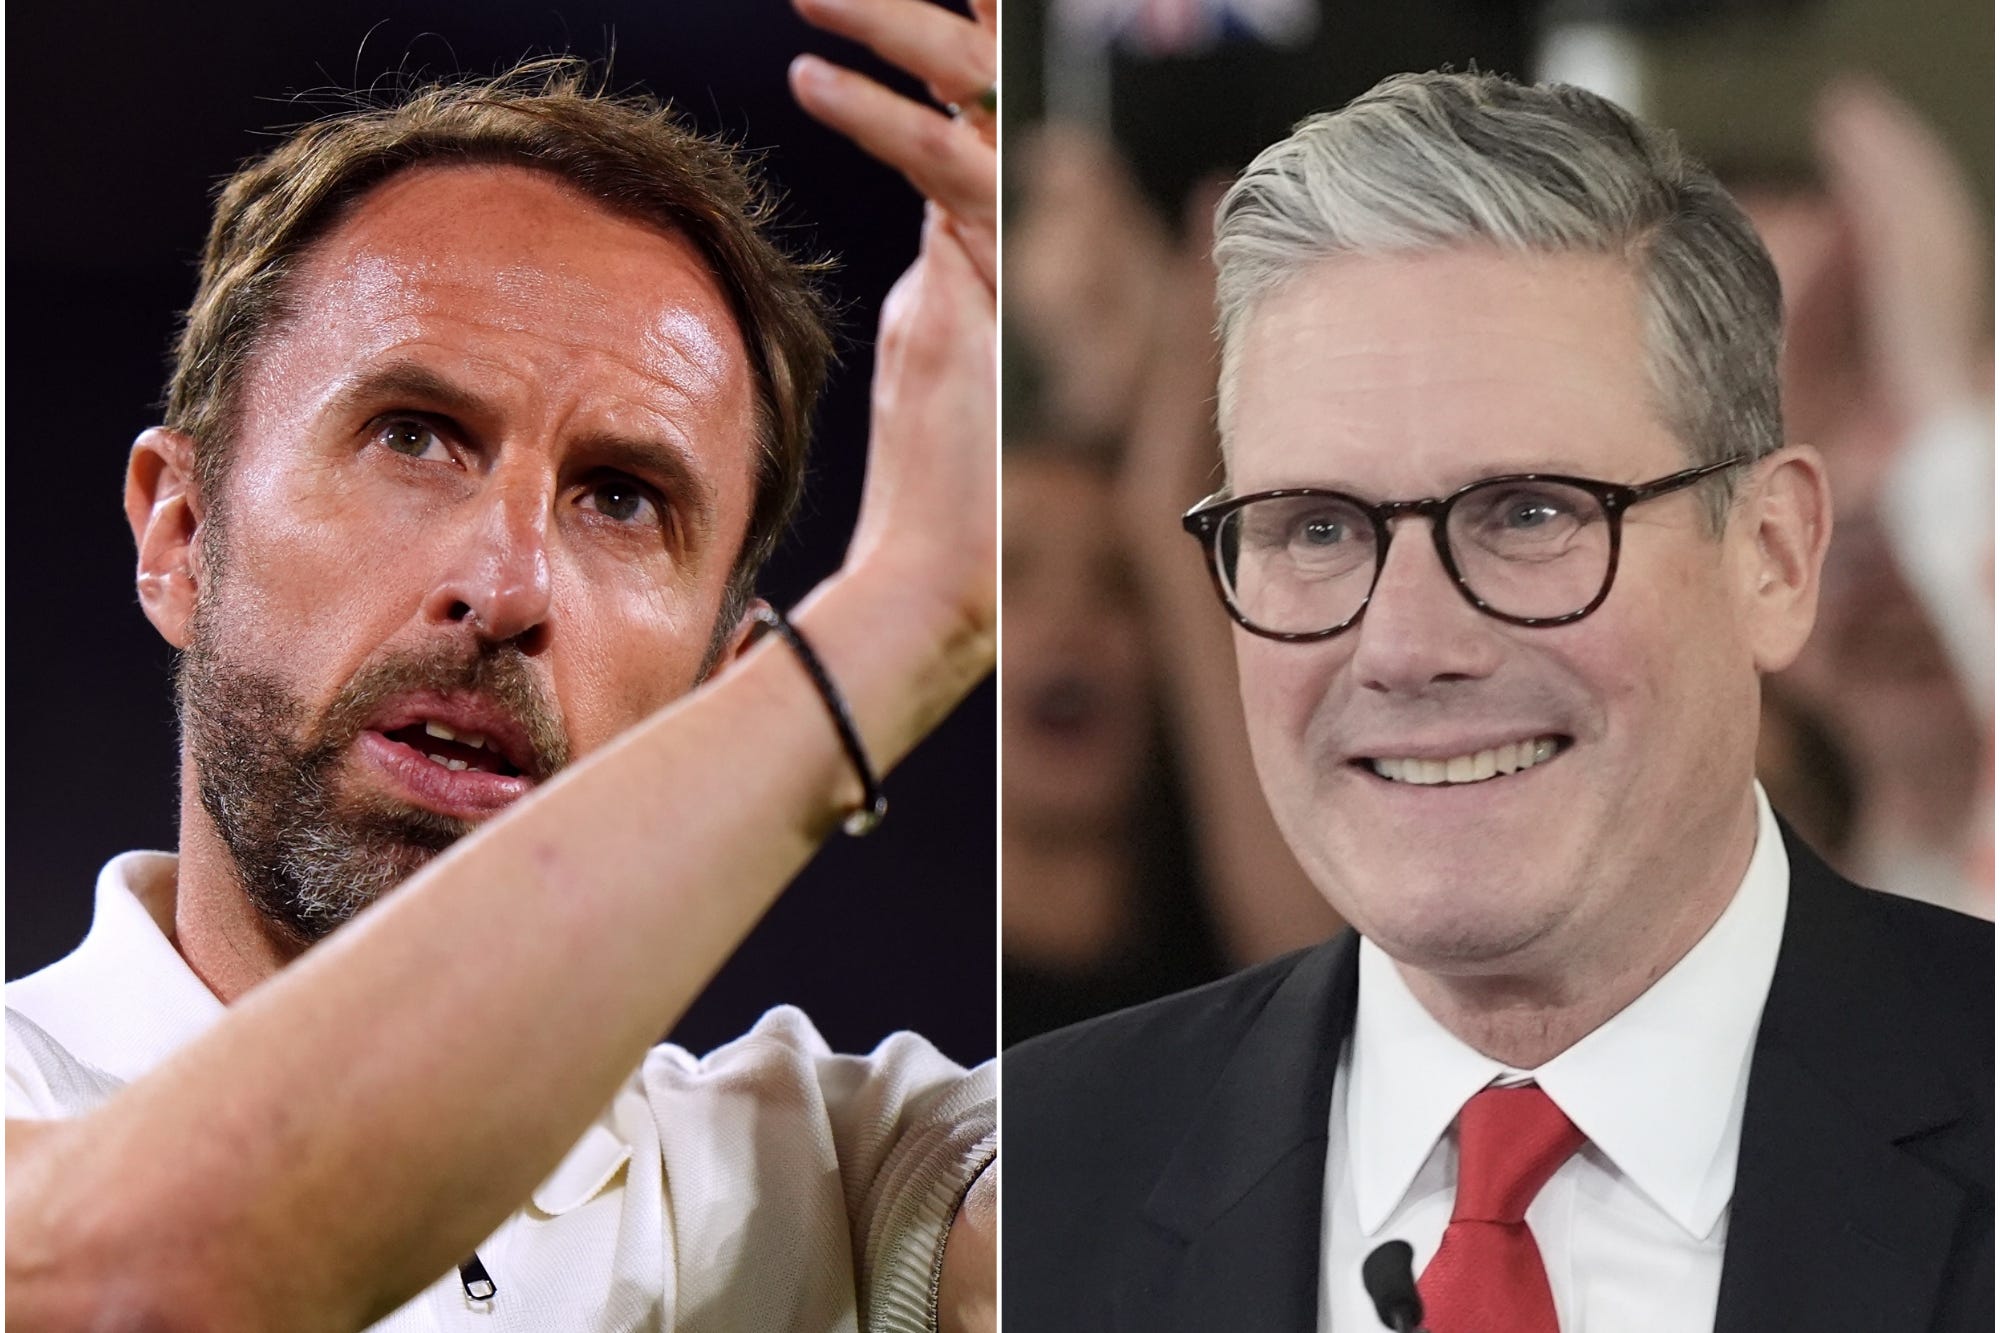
(1487, 1275)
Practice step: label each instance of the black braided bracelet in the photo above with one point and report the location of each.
(874, 804)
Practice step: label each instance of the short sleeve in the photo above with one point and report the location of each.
(842, 1173)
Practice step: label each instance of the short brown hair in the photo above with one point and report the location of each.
(630, 152)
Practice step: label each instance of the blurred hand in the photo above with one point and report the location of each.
(950, 160)
(1919, 248)
(1085, 262)
(1171, 457)
(927, 511)
(1261, 901)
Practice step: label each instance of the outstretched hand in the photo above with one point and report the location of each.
(1920, 245)
(928, 508)
(950, 159)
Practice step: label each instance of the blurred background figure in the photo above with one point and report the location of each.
(1099, 896)
(1857, 134)
(1888, 371)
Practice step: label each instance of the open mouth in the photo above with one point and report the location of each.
(1479, 766)
(455, 750)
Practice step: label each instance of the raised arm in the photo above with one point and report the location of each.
(951, 160)
(1263, 904)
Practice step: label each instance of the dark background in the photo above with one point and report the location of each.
(122, 117)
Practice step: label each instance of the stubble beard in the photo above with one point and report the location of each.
(309, 857)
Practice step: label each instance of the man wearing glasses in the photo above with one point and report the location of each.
(1511, 532)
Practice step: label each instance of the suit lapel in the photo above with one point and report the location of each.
(1232, 1228)
(1832, 1226)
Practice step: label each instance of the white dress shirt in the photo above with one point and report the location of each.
(1631, 1228)
(768, 1185)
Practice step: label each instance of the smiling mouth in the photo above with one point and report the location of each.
(1479, 766)
(454, 750)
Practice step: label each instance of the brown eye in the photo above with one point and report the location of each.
(623, 500)
(410, 438)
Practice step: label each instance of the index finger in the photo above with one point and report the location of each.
(951, 54)
(947, 162)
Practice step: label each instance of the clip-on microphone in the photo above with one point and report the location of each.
(1391, 1284)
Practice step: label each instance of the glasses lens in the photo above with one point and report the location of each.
(1297, 564)
(1532, 549)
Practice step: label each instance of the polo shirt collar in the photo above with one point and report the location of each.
(125, 1000)
(1658, 1089)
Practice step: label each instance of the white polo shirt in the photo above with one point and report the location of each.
(769, 1185)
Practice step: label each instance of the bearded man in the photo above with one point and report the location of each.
(488, 407)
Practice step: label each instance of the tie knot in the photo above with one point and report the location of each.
(1510, 1141)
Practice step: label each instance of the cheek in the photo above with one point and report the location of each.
(624, 651)
(1284, 687)
(302, 571)
(1674, 670)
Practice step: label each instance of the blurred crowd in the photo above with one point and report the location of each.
(1138, 856)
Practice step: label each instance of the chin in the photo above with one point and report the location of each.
(1445, 914)
(1464, 946)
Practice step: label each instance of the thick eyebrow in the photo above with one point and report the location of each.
(666, 460)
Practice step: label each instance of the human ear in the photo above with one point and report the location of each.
(745, 632)
(1788, 513)
(165, 514)
(724, 650)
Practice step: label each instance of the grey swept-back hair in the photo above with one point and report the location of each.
(1433, 161)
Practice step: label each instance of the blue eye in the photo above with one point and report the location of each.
(1528, 514)
(1323, 532)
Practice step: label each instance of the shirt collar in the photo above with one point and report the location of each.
(125, 1000)
(1658, 1089)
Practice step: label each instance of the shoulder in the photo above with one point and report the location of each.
(1952, 950)
(775, 1146)
(781, 1083)
(1098, 1113)
(1136, 1055)
(1094, 1111)
(1889, 1002)
(784, 1048)
(1874, 1067)
(1871, 946)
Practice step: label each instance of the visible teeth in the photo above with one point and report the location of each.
(474, 739)
(456, 765)
(439, 760)
(1509, 758)
(440, 730)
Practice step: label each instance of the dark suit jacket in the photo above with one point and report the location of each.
(1165, 1165)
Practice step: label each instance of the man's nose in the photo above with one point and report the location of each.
(1419, 630)
(496, 576)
